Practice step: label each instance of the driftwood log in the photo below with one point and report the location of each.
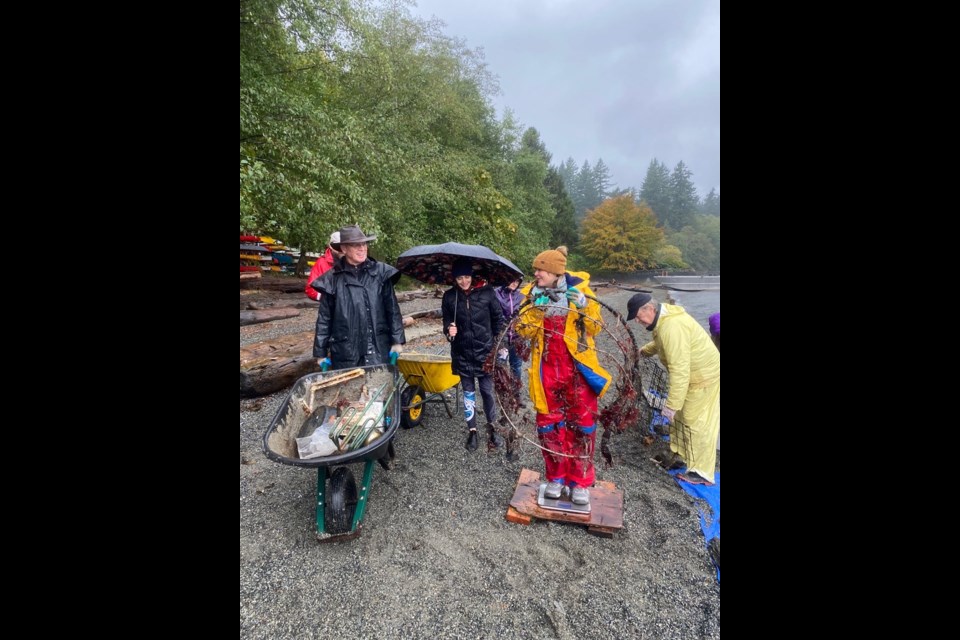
(275, 375)
(267, 315)
(276, 364)
(627, 288)
(406, 296)
(276, 349)
(410, 320)
(432, 313)
(286, 285)
(306, 303)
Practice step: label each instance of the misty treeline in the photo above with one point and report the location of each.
(689, 227)
(356, 112)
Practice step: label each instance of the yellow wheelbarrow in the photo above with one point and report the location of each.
(425, 378)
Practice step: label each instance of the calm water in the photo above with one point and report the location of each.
(699, 304)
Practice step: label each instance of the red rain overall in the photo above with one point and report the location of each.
(569, 426)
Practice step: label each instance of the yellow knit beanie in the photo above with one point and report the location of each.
(552, 260)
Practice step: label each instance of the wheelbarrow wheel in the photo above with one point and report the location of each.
(414, 415)
(341, 501)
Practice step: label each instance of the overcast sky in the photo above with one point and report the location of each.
(622, 80)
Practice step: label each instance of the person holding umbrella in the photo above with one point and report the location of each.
(359, 322)
(471, 321)
(566, 379)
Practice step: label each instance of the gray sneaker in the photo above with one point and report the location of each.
(580, 495)
(553, 490)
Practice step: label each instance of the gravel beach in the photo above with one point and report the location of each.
(436, 557)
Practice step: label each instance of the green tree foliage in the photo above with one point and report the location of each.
(568, 173)
(601, 180)
(684, 202)
(358, 112)
(620, 235)
(565, 226)
(655, 190)
(375, 118)
(700, 243)
(531, 142)
(586, 186)
(669, 257)
(711, 204)
(710, 227)
(291, 183)
(532, 210)
(587, 195)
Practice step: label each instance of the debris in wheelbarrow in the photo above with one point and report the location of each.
(318, 442)
(340, 501)
(360, 419)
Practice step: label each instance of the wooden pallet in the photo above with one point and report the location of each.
(606, 506)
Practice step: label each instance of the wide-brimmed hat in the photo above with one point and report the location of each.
(351, 235)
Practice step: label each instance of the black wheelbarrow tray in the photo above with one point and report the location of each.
(340, 507)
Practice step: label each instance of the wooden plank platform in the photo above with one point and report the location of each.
(606, 506)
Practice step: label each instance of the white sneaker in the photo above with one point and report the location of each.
(553, 490)
(580, 495)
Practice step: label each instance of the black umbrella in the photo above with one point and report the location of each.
(433, 263)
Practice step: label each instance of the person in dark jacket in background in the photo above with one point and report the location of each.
(359, 322)
(510, 298)
(471, 321)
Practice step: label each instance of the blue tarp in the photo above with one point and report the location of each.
(710, 495)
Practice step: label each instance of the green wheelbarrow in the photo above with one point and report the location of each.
(340, 504)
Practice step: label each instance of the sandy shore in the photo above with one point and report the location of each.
(437, 559)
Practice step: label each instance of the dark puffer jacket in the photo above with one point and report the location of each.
(479, 320)
(354, 302)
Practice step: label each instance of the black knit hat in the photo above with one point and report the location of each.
(634, 304)
(462, 267)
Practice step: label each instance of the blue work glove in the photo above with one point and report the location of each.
(395, 352)
(542, 301)
(325, 364)
(575, 296)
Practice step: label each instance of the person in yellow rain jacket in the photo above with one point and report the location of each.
(566, 378)
(693, 361)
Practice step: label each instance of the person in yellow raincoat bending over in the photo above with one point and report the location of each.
(566, 378)
(693, 361)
